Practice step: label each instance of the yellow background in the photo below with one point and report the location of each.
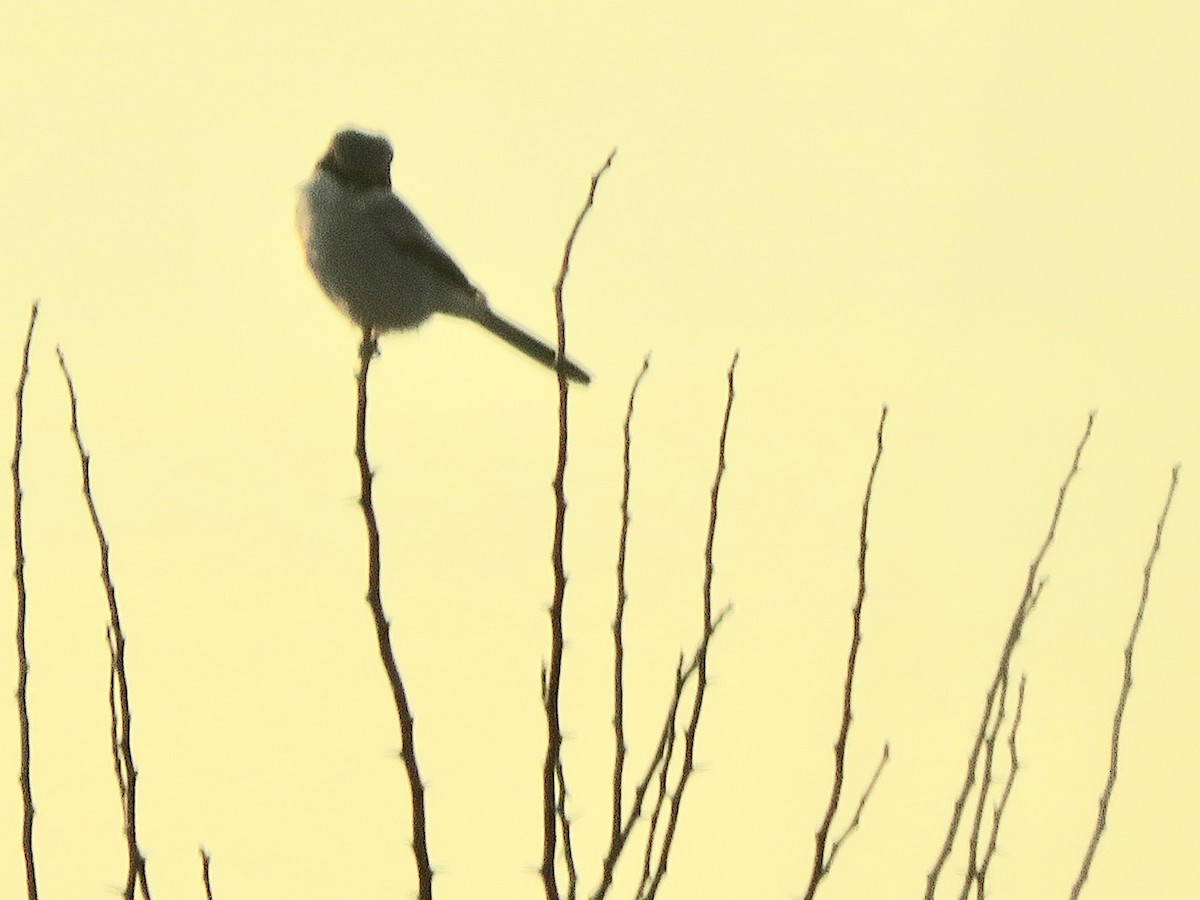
(983, 215)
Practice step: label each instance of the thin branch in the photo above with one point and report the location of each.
(205, 863)
(408, 753)
(114, 718)
(836, 845)
(689, 735)
(618, 623)
(971, 870)
(1126, 687)
(1028, 600)
(136, 873)
(565, 266)
(565, 823)
(659, 758)
(820, 868)
(554, 671)
(31, 887)
(1002, 805)
(664, 772)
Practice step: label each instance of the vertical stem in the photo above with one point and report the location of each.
(31, 887)
(383, 635)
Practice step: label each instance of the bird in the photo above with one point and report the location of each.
(378, 263)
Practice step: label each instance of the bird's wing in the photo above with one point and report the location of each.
(410, 237)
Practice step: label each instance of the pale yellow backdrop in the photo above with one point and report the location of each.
(983, 215)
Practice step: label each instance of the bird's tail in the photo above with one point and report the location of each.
(529, 345)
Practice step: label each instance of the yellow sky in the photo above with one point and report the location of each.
(983, 216)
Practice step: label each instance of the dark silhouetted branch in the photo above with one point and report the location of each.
(565, 823)
(137, 861)
(836, 845)
(1026, 605)
(971, 874)
(408, 752)
(618, 624)
(821, 865)
(693, 726)
(554, 670)
(1002, 804)
(664, 771)
(1126, 687)
(205, 864)
(114, 718)
(31, 885)
(660, 758)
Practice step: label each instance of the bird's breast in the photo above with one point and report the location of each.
(355, 262)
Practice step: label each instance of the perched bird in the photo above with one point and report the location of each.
(378, 263)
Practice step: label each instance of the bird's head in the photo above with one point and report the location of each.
(359, 158)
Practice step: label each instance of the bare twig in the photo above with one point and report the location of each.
(664, 772)
(408, 753)
(971, 871)
(205, 863)
(31, 886)
(1028, 599)
(1126, 687)
(660, 758)
(820, 867)
(114, 718)
(136, 873)
(618, 624)
(554, 670)
(998, 814)
(565, 823)
(689, 734)
(836, 844)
